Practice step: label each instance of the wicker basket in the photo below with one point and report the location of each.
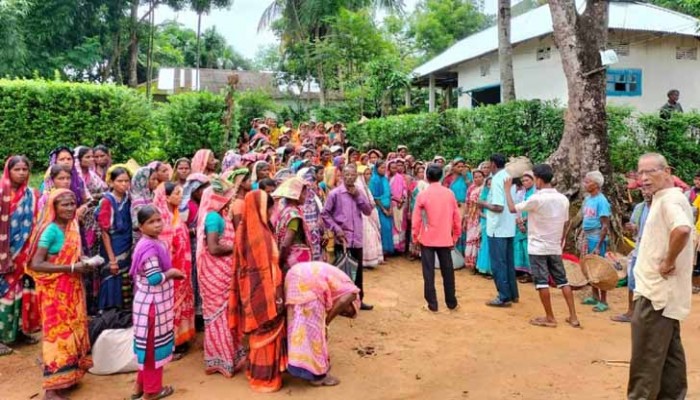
(620, 263)
(577, 279)
(517, 166)
(600, 272)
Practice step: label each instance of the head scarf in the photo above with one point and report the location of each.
(236, 178)
(256, 258)
(338, 161)
(70, 252)
(290, 189)
(140, 194)
(377, 152)
(77, 184)
(401, 147)
(173, 176)
(440, 158)
(194, 182)
(200, 160)
(108, 178)
(146, 248)
(258, 166)
(231, 160)
(16, 218)
(160, 201)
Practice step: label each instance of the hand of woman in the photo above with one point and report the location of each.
(113, 267)
(83, 267)
(175, 274)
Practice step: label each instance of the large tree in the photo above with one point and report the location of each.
(204, 7)
(505, 52)
(436, 25)
(584, 145)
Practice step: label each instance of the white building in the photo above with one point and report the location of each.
(657, 50)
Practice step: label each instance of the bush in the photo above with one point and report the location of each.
(532, 128)
(253, 104)
(37, 116)
(192, 121)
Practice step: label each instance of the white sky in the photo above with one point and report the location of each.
(239, 24)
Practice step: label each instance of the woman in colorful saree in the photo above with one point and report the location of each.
(312, 207)
(57, 269)
(114, 218)
(261, 170)
(175, 235)
(19, 315)
(292, 231)
(458, 182)
(372, 254)
(143, 183)
(472, 224)
(261, 289)
(520, 254)
(315, 293)
(399, 200)
(483, 260)
(152, 273)
(381, 190)
(204, 162)
(223, 347)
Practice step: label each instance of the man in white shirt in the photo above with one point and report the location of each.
(547, 213)
(662, 294)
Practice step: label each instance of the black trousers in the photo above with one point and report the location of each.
(657, 368)
(444, 255)
(356, 253)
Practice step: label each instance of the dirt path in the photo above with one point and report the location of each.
(475, 353)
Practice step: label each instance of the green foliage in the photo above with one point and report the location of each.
(530, 128)
(690, 7)
(37, 116)
(340, 112)
(678, 139)
(192, 121)
(253, 104)
(436, 25)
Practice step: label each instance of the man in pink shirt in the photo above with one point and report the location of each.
(435, 207)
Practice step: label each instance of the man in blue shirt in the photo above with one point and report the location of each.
(500, 230)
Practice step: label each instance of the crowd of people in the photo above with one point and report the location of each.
(243, 249)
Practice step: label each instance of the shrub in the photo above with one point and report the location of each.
(191, 121)
(37, 116)
(253, 104)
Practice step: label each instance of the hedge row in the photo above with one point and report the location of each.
(531, 128)
(37, 116)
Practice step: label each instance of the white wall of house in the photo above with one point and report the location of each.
(655, 55)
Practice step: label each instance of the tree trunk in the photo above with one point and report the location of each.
(505, 52)
(584, 145)
(321, 85)
(199, 38)
(134, 45)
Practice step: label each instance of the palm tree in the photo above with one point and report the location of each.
(204, 7)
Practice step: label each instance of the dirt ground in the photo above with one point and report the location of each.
(474, 353)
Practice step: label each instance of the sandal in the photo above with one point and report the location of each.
(621, 318)
(327, 381)
(167, 391)
(541, 321)
(601, 307)
(573, 324)
(589, 301)
(136, 396)
(5, 350)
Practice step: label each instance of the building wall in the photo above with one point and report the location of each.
(544, 79)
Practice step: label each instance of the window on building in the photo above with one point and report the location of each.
(620, 47)
(485, 67)
(686, 53)
(624, 82)
(544, 53)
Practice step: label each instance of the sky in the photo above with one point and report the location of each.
(239, 24)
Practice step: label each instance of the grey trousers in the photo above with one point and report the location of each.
(657, 368)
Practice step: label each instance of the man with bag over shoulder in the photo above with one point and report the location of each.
(437, 225)
(342, 214)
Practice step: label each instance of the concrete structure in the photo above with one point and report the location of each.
(657, 50)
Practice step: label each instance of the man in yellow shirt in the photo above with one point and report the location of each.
(662, 294)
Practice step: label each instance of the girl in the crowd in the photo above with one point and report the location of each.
(399, 206)
(64, 156)
(143, 184)
(419, 185)
(260, 171)
(103, 160)
(241, 186)
(19, 316)
(472, 223)
(483, 260)
(291, 230)
(114, 219)
(175, 235)
(152, 273)
(204, 162)
(312, 207)
(372, 254)
(60, 178)
(521, 257)
(162, 170)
